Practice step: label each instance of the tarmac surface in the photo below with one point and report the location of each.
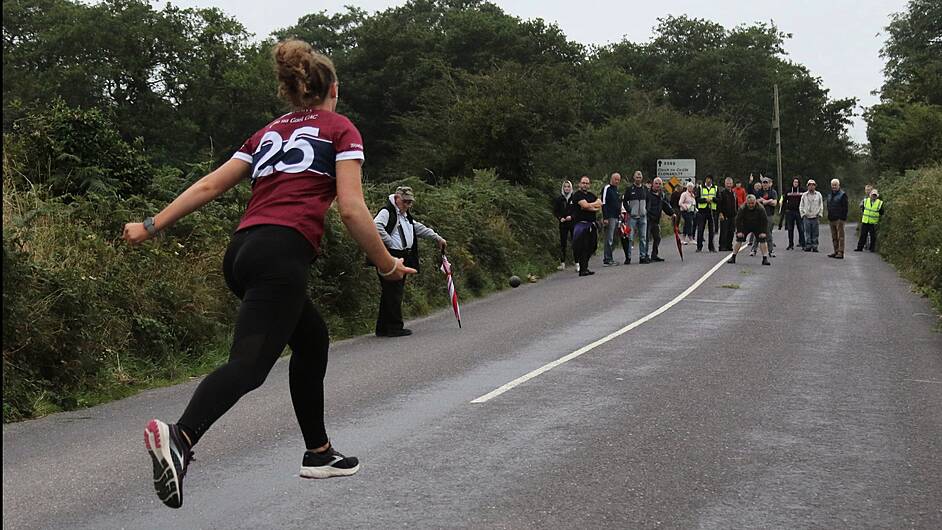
(803, 395)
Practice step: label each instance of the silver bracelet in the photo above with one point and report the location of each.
(392, 270)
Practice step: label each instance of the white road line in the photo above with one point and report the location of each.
(547, 367)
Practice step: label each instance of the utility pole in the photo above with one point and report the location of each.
(776, 124)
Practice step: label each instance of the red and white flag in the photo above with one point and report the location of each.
(452, 293)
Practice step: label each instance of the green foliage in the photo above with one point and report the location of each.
(113, 108)
(72, 152)
(905, 128)
(910, 237)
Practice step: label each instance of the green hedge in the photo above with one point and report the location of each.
(87, 319)
(910, 232)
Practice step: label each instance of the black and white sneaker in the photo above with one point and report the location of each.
(328, 464)
(171, 455)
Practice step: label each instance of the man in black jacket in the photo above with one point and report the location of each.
(791, 216)
(656, 204)
(837, 216)
(726, 205)
(752, 219)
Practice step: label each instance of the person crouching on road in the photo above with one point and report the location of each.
(657, 203)
(752, 219)
(837, 216)
(585, 232)
(611, 209)
(811, 207)
(399, 232)
(872, 210)
(562, 209)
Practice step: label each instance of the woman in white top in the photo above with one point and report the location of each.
(688, 209)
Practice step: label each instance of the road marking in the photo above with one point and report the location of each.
(549, 366)
(919, 381)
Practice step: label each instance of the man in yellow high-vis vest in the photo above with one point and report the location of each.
(706, 212)
(872, 211)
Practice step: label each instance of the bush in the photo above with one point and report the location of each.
(87, 318)
(909, 235)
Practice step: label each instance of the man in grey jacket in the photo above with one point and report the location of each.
(399, 232)
(635, 202)
(811, 207)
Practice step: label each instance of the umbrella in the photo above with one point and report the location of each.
(680, 248)
(452, 293)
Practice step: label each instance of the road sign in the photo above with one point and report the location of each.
(684, 169)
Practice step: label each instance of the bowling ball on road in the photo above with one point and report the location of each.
(515, 281)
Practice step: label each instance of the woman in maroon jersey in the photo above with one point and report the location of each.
(297, 164)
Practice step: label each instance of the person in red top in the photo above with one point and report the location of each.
(297, 165)
(740, 194)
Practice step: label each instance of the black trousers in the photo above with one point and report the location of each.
(565, 234)
(584, 243)
(727, 231)
(706, 217)
(654, 235)
(266, 266)
(390, 306)
(867, 229)
(792, 222)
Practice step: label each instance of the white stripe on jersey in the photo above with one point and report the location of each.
(350, 155)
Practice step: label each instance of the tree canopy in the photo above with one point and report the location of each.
(438, 88)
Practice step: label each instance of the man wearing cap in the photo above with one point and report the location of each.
(872, 210)
(811, 207)
(399, 231)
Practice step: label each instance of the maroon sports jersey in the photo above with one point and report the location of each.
(294, 175)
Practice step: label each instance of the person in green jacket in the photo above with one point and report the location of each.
(872, 211)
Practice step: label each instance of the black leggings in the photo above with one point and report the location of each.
(266, 266)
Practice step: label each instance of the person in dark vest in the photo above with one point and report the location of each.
(399, 232)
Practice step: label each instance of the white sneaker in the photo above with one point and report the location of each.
(577, 267)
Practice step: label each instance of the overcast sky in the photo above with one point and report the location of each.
(837, 40)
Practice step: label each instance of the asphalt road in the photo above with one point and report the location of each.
(803, 395)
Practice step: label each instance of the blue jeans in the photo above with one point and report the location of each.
(811, 232)
(609, 239)
(639, 227)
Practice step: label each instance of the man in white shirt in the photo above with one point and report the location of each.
(810, 208)
(399, 231)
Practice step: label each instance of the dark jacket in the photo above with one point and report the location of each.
(562, 207)
(635, 201)
(675, 198)
(752, 220)
(793, 199)
(837, 206)
(657, 203)
(611, 208)
(726, 203)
